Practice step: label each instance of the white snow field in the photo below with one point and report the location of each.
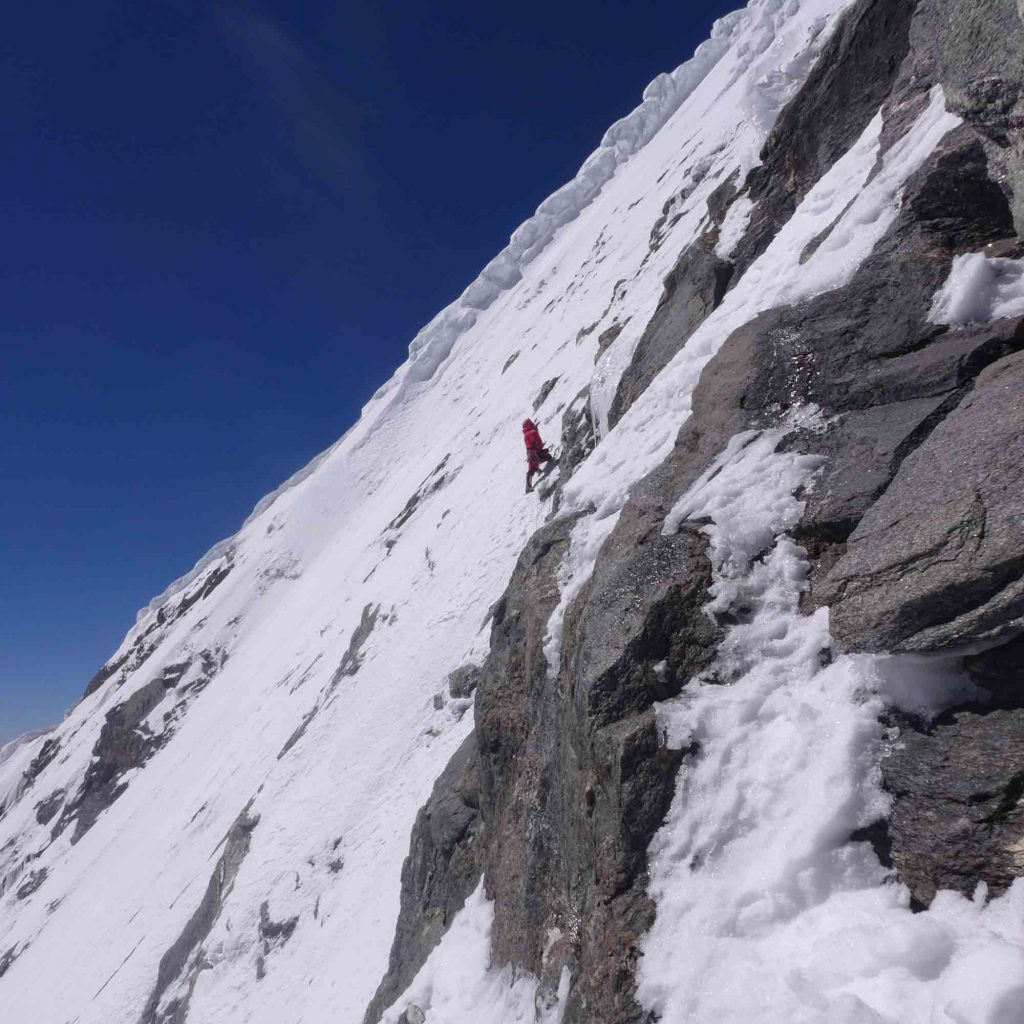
(791, 925)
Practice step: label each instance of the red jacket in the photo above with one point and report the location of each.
(531, 436)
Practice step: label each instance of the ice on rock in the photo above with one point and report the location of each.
(855, 206)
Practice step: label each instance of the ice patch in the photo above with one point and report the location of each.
(457, 983)
(979, 289)
(734, 226)
(924, 686)
(748, 493)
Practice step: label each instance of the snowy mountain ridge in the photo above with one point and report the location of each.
(433, 344)
(690, 735)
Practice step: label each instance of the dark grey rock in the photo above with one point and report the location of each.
(352, 659)
(938, 560)
(350, 663)
(300, 730)
(463, 681)
(126, 742)
(273, 934)
(578, 436)
(979, 51)
(47, 808)
(122, 745)
(693, 290)
(436, 479)
(958, 816)
(843, 92)
(8, 957)
(274, 931)
(441, 871)
(545, 389)
(148, 641)
(607, 337)
(32, 883)
(412, 1014)
(574, 776)
(184, 961)
(1000, 670)
(47, 752)
(864, 449)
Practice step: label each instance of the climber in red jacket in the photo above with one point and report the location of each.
(536, 453)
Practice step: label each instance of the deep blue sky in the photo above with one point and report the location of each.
(222, 224)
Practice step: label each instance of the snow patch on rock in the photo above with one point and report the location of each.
(979, 289)
(734, 226)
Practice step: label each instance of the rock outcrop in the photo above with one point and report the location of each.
(181, 965)
(442, 869)
(694, 289)
(938, 560)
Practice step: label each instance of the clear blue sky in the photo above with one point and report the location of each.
(222, 226)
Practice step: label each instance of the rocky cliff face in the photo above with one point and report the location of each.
(914, 530)
(741, 736)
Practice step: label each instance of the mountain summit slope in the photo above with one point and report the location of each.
(725, 724)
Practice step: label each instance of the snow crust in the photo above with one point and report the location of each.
(333, 763)
(979, 289)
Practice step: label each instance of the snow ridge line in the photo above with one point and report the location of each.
(434, 342)
(662, 97)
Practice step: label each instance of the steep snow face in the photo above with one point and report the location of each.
(216, 831)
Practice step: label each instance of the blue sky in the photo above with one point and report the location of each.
(222, 226)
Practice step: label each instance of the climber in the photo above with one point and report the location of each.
(536, 453)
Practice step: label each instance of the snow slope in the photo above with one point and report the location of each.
(315, 641)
